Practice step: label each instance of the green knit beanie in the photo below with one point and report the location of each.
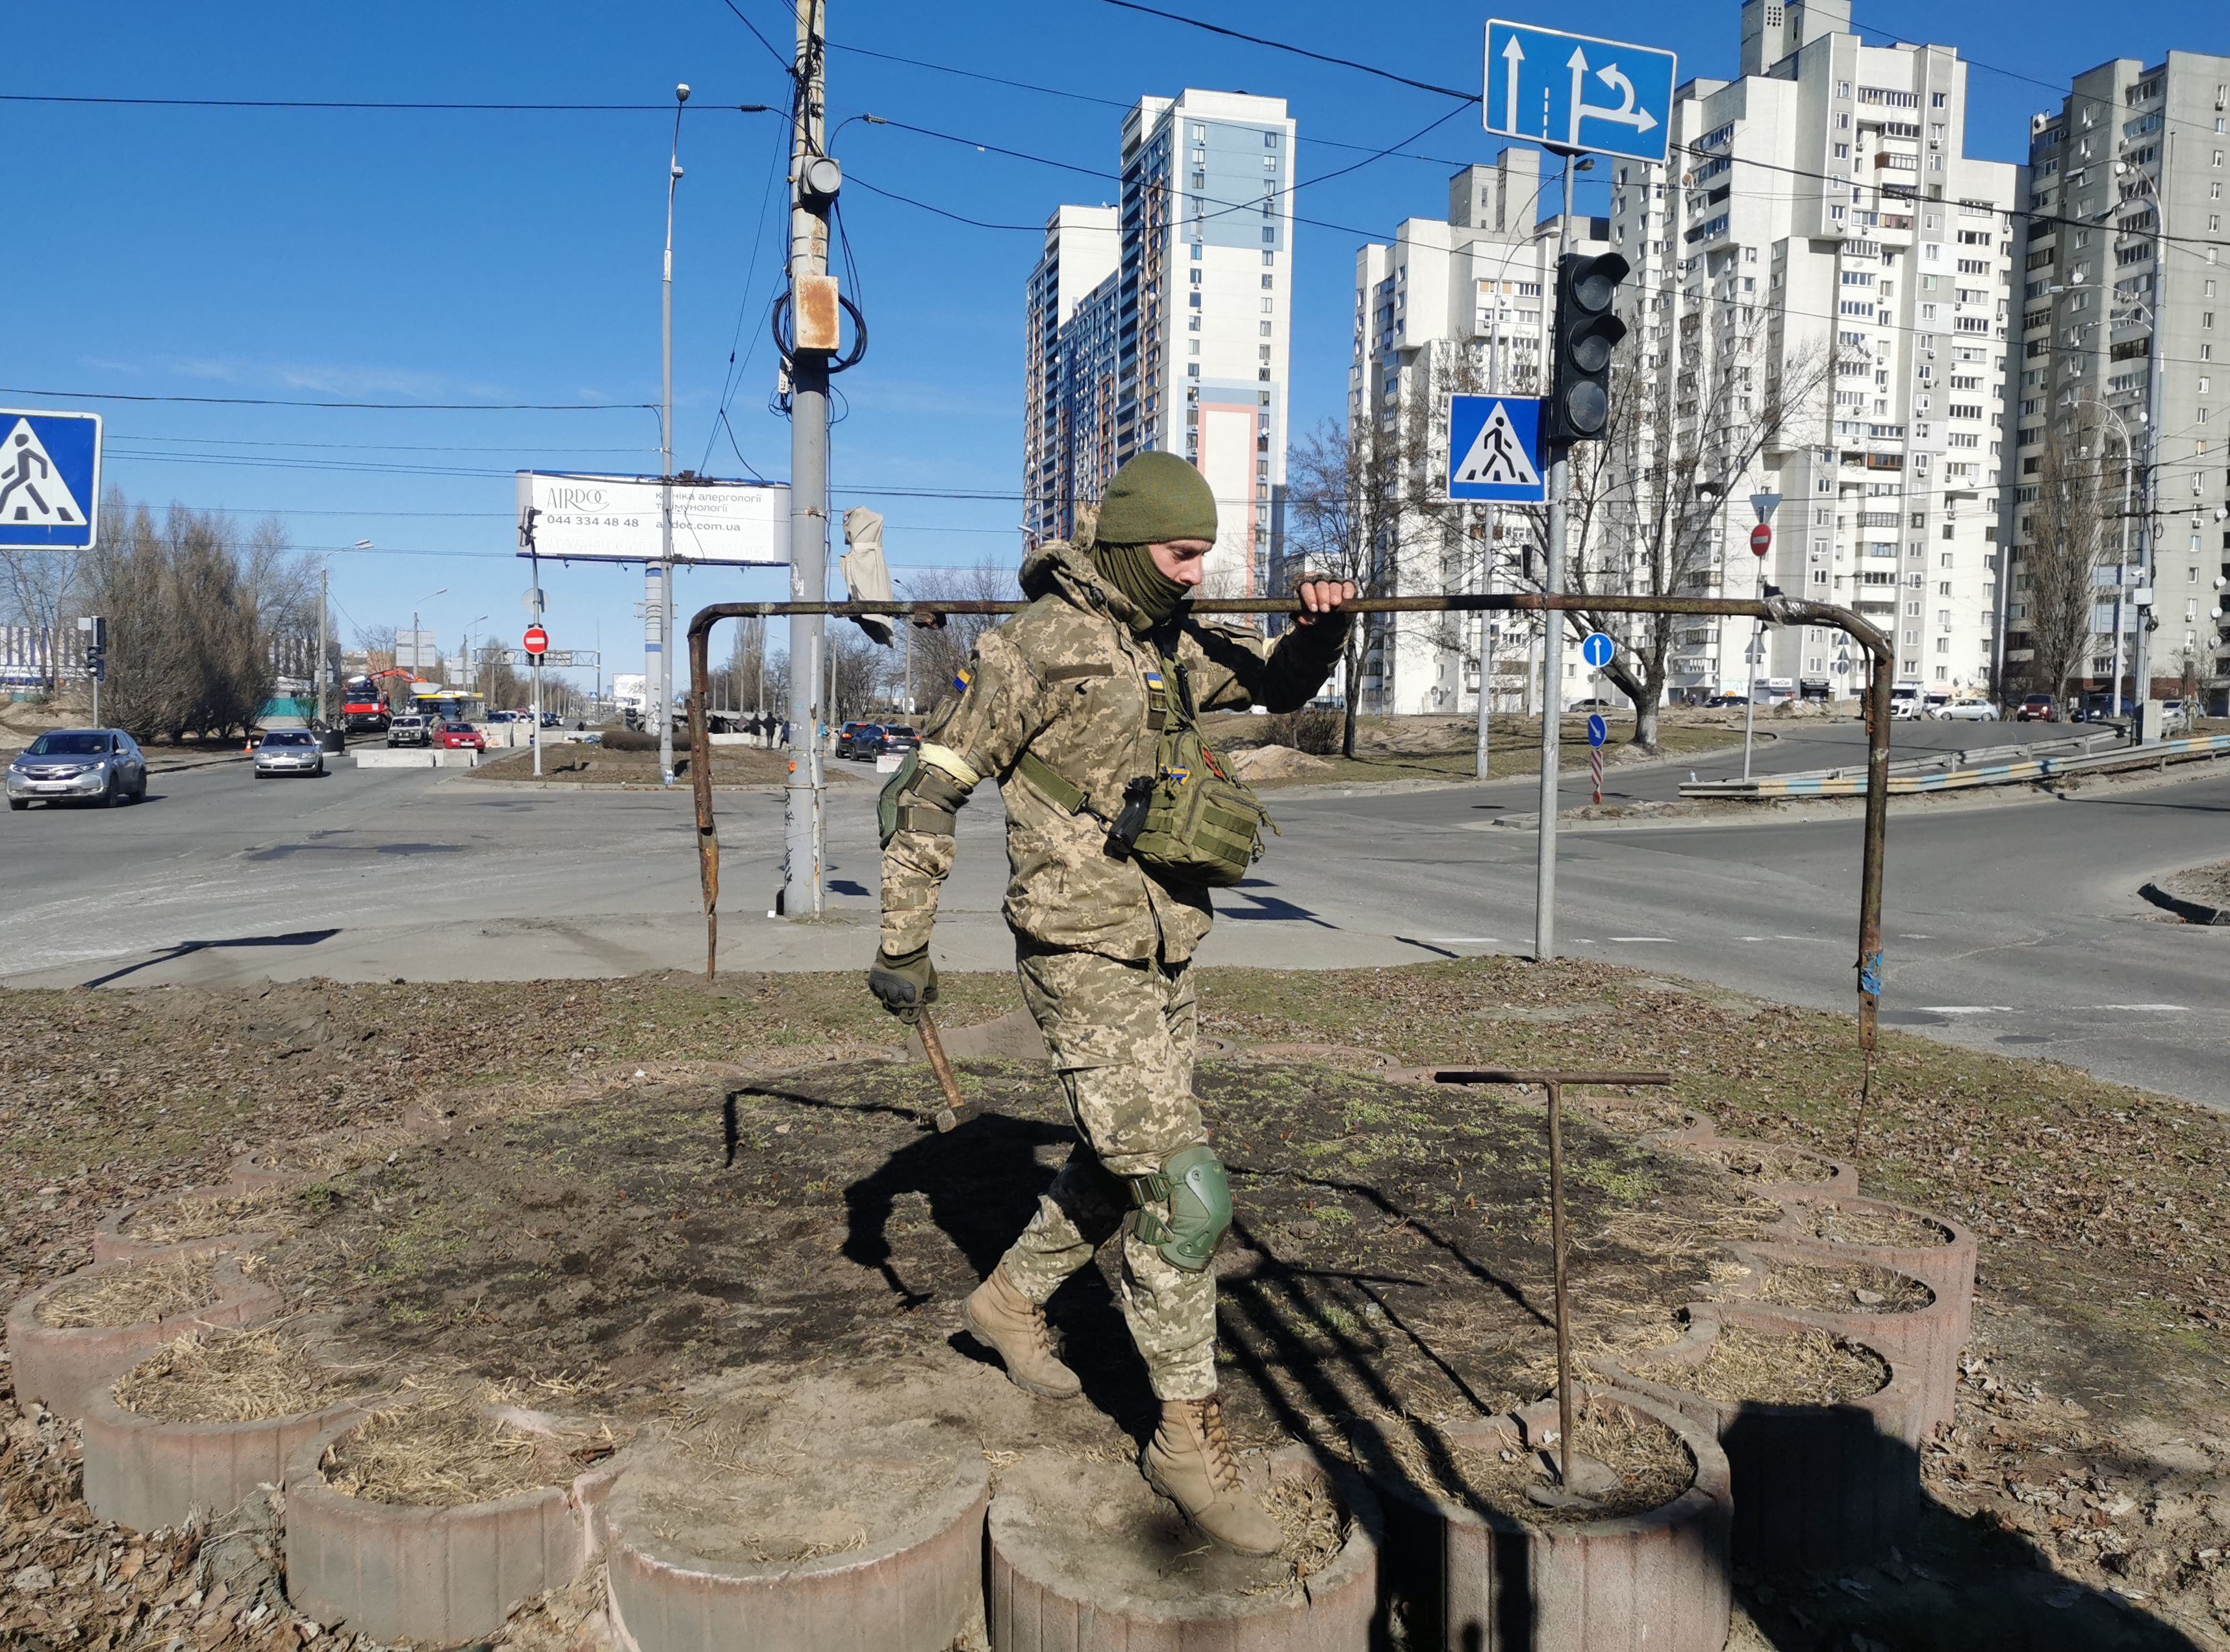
(1157, 498)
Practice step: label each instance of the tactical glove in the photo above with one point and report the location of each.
(907, 985)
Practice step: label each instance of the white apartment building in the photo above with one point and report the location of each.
(1457, 302)
(1183, 344)
(1821, 208)
(2125, 303)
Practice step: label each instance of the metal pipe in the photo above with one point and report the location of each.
(1780, 610)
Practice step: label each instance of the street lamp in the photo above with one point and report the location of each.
(472, 670)
(418, 648)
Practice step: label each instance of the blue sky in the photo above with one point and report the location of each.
(484, 258)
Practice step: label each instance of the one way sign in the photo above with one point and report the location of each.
(1578, 92)
(1494, 450)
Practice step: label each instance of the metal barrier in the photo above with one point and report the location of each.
(1918, 778)
(1777, 610)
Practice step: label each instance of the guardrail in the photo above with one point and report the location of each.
(1929, 776)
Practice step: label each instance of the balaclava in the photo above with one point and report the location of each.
(1155, 498)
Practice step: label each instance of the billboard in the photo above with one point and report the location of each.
(615, 518)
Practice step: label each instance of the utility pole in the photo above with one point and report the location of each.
(814, 179)
(1552, 642)
(659, 597)
(325, 600)
(1486, 561)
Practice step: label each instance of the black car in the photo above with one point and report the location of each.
(897, 737)
(860, 740)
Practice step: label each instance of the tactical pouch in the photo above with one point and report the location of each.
(1199, 824)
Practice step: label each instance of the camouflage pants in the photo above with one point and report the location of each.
(1122, 1037)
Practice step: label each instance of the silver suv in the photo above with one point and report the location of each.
(411, 731)
(97, 766)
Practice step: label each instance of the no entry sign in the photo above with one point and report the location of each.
(538, 640)
(1760, 539)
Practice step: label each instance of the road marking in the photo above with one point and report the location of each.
(2144, 1009)
(1463, 941)
(1968, 1008)
(1637, 941)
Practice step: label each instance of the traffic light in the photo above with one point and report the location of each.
(96, 662)
(1579, 382)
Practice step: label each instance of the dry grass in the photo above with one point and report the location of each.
(1771, 1368)
(1652, 1466)
(1870, 1228)
(440, 1452)
(1315, 1527)
(231, 1377)
(1845, 1290)
(203, 1216)
(1759, 1161)
(131, 1294)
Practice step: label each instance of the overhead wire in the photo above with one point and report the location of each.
(789, 68)
(375, 407)
(1297, 51)
(370, 105)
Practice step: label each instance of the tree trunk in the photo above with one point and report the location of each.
(1353, 676)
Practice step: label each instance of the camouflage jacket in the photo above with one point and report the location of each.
(1067, 681)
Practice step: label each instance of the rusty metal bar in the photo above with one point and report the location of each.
(947, 1081)
(1778, 610)
(1553, 1082)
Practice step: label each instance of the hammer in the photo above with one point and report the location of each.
(933, 1046)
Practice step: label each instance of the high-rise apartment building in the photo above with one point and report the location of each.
(1444, 305)
(2123, 284)
(1181, 347)
(1821, 226)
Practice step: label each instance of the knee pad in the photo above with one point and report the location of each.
(1196, 1191)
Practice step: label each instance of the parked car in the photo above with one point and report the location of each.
(2038, 708)
(288, 750)
(411, 729)
(1715, 702)
(461, 737)
(860, 740)
(101, 765)
(496, 718)
(1606, 706)
(1965, 711)
(897, 737)
(2175, 717)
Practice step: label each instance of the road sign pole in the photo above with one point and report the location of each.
(1552, 647)
(538, 717)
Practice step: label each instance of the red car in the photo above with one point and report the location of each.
(457, 737)
(2038, 708)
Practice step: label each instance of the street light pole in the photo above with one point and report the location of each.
(417, 648)
(661, 580)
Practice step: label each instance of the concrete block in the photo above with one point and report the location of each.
(400, 757)
(145, 1473)
(62, 1368)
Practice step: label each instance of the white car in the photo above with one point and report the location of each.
(1964, 711)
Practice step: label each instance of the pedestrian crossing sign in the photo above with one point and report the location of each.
(1494, 450)
(49, 479)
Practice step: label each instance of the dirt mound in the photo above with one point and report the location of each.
(1275, 762)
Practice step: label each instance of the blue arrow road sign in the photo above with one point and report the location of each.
(49, 479)
(1598, 730)
(1578, 92)
(1494, 450)
(1597, 650)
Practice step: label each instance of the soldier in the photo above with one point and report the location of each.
(1073, 708)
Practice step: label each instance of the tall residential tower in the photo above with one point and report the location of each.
(1181, 344)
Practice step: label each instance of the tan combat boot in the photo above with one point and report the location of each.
(1189, 1461)
(1004, 1321)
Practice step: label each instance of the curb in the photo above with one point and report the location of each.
(2192, 912)
(401, 1572)
(64, 1368)
(147, 1473)
(1033, 1609)
(915, 1596)
(1653, 1582)
(1814, 1486)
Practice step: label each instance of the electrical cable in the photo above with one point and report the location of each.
(374, 407)
(371, 105)
(789, 68)
(1297, 51)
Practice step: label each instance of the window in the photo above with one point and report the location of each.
(1268, 258)
(1269, 140)
(1269, 281)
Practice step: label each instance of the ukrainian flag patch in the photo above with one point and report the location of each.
(1178, 775)
(961, 679)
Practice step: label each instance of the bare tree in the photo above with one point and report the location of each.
(2060, 568)
(1341, 514)
(35, 591)
(1644, 507)
(940, 651)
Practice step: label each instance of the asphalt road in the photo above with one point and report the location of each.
(2015, 927)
